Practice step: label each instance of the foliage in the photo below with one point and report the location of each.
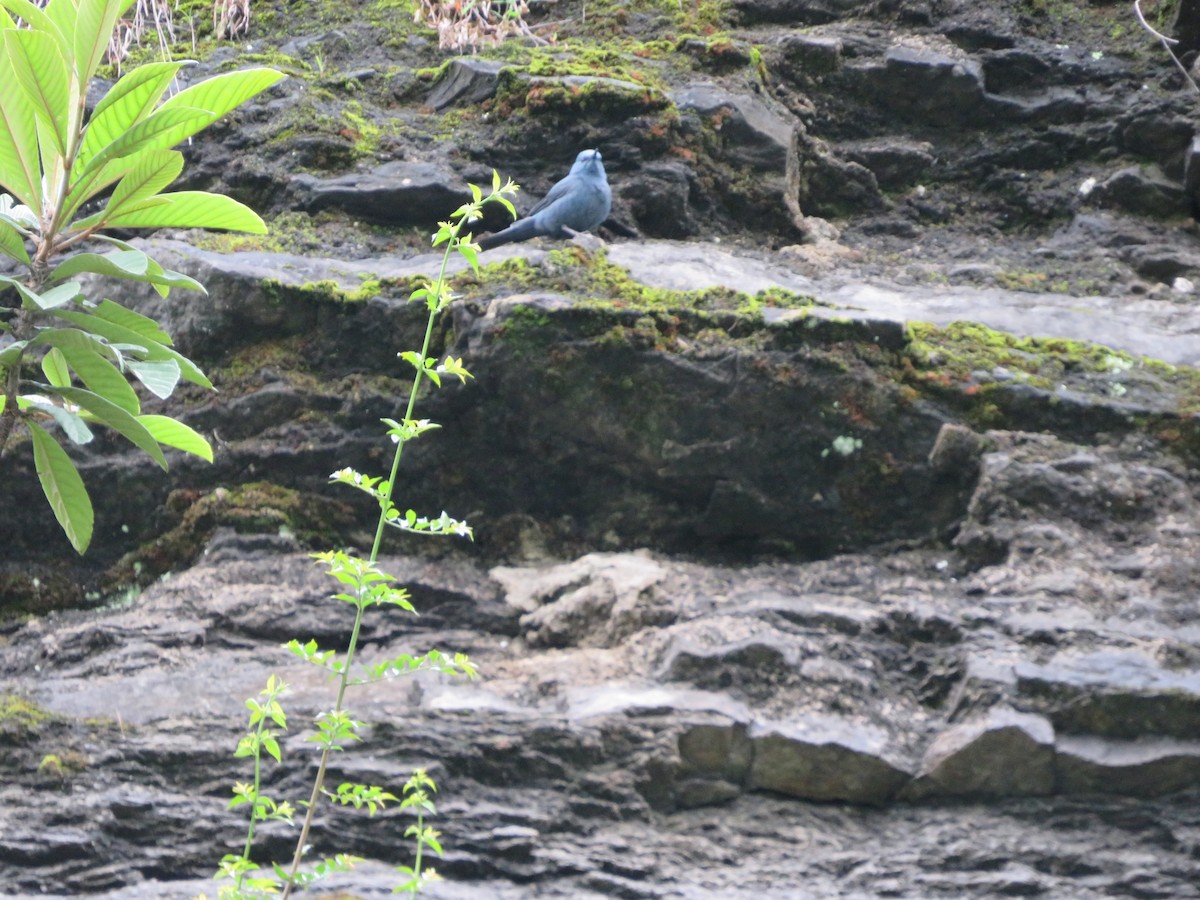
(68, 177)
(363, 585)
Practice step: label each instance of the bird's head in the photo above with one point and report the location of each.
(588, 160)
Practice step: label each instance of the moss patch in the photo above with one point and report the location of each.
(254, 508)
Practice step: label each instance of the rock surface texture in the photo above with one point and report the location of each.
(793, 578)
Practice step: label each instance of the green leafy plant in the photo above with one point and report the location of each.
(363, 586)
(65, 177)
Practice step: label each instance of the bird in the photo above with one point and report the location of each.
(579, 202)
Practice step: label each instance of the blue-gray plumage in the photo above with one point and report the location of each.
(580, 202)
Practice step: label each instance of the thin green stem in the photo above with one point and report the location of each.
(420, 846)
(385, 505)
(254, 803)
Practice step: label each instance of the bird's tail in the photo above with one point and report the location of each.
(518, 231)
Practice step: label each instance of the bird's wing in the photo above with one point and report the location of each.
(560, 190)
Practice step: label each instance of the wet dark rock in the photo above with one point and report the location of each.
(466, 80)
(926, 84)
(396, 193)
(1143, 191)
(895, 164)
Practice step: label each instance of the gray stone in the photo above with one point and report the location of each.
(1005, 754)
(1144, 191)
(468, 79)
(895, 163)
(1146, 767)
(932, 86)
(825, 758)
(395, 193)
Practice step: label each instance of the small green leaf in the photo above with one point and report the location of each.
(159, 376)
(63, 488)
(73, 426)
(54, 364)
(175, 434)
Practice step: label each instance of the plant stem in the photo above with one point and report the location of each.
(384, 506)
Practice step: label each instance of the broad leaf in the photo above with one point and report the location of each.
(68, 339)
(158, 276)
(20, 171)
(175, 434)
(143, 326)
(115, 417)
(60, 295)
(222, 93)
(73, 426)
(159, 376)
(106, 174)
(123, 264)
(153, 170)
(38, 63)
(35, 16)
(63, 488)
(102, 377)
(162, 128)
(128, 102)
(29, 299)
(192, 209)
(94, 23)
(54, 365)
(119, 334)
(12, 243)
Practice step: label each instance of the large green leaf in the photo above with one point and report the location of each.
(20, 171)
(192, 209)
(115, 417)
(175, 434)
(102, 378)
(37, 18)
(162, 128)
(67, 339)
(223, 93)
(12, 243)
(41, 70)
(94, 23)
(84, 189)
(128, 102)
(152, 171)
(119, 334)
(122, 264)
(63, 488)
(161, 278)
(134, 321)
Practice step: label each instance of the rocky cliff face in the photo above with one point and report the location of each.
(822, 588)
